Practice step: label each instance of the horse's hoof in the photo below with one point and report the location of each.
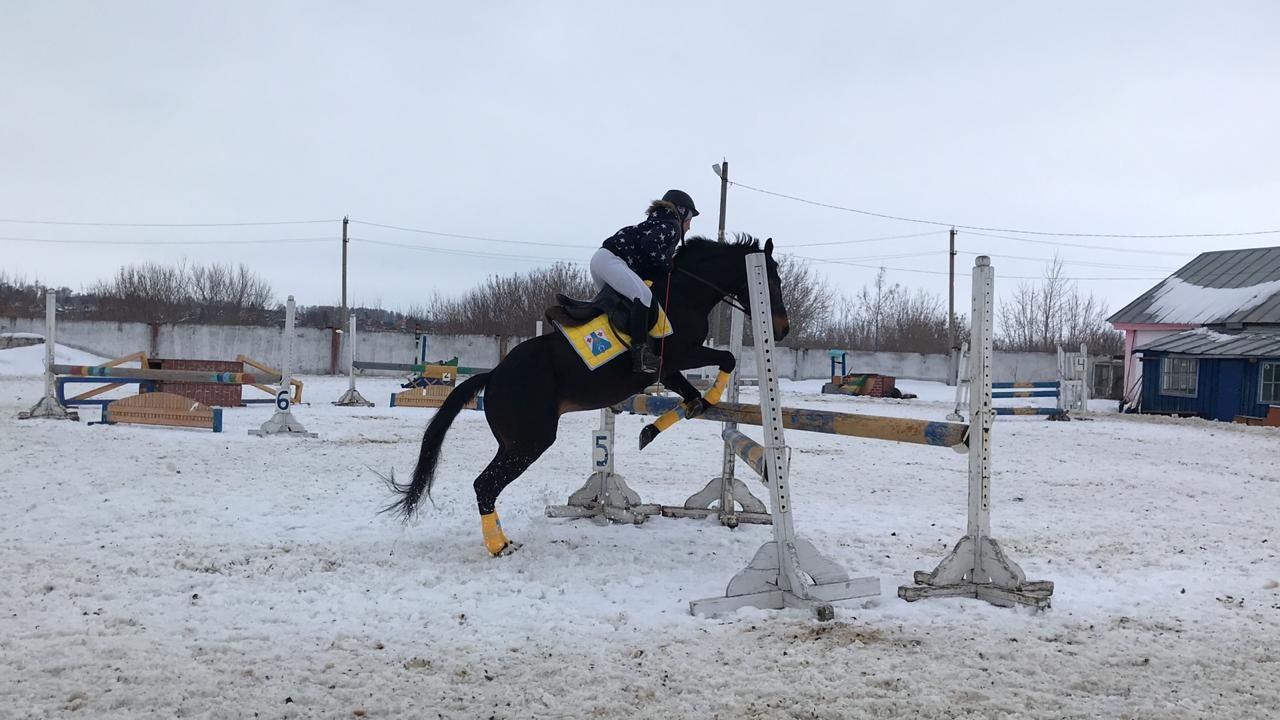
(695, 407)
(647, 435)
(507, 549)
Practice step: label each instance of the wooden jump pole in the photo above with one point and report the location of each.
(908, 430)
(195, 376)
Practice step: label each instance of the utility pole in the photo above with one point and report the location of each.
(951, 294)
(724, 196)
(951, 311)
(342, 321)
(721, 169)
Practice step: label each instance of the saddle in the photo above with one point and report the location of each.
(608, 302)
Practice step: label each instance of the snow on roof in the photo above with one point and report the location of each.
(1179, 301)
(1225, 286)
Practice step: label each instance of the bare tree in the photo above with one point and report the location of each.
(809, 300)
(888, 317)
(1054, 313)
(508, 305)
(151, 292)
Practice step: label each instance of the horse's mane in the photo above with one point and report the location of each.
(699, 248)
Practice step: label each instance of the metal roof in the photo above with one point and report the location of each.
(1223, 269)
(1203, 341)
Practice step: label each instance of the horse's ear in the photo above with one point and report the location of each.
(768, 246)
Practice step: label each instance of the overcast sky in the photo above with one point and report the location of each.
(552, 124)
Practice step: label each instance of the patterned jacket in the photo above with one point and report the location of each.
(647, 248)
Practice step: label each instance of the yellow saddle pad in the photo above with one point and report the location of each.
(596, 342)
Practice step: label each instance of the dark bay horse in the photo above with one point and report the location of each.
(543, 378)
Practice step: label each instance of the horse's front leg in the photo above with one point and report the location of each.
(694, 403)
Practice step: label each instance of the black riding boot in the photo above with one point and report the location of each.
(642, 358)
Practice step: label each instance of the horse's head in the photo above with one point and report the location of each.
(722, 266)
(777, 309)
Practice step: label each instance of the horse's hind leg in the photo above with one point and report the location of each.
(506, 466)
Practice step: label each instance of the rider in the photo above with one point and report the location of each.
(643, 252)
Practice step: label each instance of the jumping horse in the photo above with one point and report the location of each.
(543, 378)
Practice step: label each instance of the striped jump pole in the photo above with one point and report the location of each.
(907, 430)
(195, 376)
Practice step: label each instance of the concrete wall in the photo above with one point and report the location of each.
(315, 350)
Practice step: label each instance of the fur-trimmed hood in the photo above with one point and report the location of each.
(662, 208)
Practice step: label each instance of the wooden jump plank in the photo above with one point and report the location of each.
(908, 430)
(161, 408)
(431, 396)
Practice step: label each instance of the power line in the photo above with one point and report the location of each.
(268, 241)
(166, 225)
(1137, 251)
(1082, 263)
(943, 272)
(999, 229)
(467, 253)
(457, 236)
(862, 240)
(894, 256)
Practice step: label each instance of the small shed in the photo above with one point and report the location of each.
(1204, 341)
(1213, 374)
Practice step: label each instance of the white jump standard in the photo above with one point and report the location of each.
(788, 571)
(283, 422)
(352, 397)
(48, 406)
(977, 567)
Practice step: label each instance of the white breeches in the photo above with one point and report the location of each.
(609, 269)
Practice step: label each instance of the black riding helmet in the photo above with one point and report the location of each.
(682, 201)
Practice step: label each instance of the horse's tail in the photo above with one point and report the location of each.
(425, 471)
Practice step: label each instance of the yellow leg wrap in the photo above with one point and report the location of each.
(712, 396)
(495, 541)
(669, 418)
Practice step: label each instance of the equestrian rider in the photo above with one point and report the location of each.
(643, 252)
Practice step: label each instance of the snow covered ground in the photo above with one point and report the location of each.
(157, 572)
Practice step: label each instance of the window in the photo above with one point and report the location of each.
(1270, 393)
(1178, 376)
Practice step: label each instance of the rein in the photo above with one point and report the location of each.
(724, 295)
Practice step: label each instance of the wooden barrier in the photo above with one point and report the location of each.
(865, 384)
(431, 396)
(908, 430)
(440, 379)
(221, 378)
(162, 408)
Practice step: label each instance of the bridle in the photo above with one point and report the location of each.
(730, 298)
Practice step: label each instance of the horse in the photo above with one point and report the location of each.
(543, 378)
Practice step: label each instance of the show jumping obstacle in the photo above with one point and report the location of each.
(976, 567)
(1070, 390)
(149, 407)
(441, 379)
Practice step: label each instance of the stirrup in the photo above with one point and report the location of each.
(643, 360)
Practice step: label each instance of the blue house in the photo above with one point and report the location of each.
(1205, 342)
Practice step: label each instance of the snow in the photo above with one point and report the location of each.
(1178, 301)
(28, 361)
(154, 572)
(1213, 335)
